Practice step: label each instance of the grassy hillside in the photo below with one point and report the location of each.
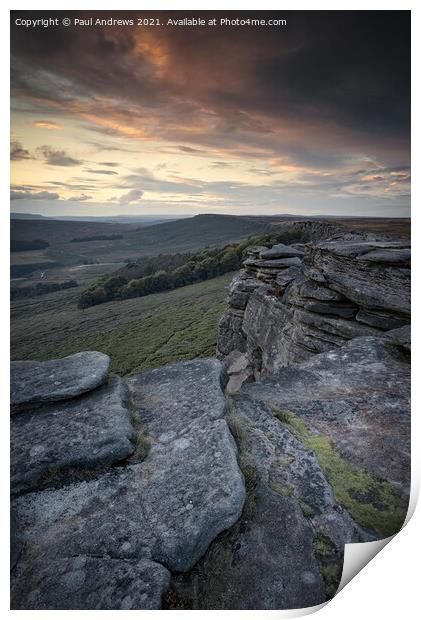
(137, 333)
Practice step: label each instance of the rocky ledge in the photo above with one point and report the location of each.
(291, 302)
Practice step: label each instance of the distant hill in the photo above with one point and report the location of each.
(59, 231)
(197, 232)
(139, 240)
(145, 220)
(27, 216)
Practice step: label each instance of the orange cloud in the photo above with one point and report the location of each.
(47, 125)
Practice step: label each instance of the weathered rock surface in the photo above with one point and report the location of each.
(165, 509)
(84, 434)
(83, 582)
(324, 446)
(281, 313)
(358, 396)
(169, 399)
(37, 383)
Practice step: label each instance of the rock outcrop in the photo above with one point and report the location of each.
(83, 434)
(87, 531)
(38, 383)
(290, 302)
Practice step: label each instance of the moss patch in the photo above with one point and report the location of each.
(373, 503)
(281, 489)
(307, 510)
(330, 563)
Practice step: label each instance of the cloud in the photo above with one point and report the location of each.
(81, 198)
(57, 158)
(221, 164)
(102, 171)
(132, 196)
(289, 113)
(33, 195)
(17, 152)
(47, 125)
(189, 149)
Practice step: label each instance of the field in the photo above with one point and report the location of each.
(137, 333)
(396, 227)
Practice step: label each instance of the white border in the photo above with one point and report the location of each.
(388, 586)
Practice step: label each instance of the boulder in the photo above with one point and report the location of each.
(37, 383)
(83, 434)
(230, 334)
(280, 251)
(401, 335)
(342, 310)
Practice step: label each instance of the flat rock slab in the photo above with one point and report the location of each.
(83, 582)
(84, 433)
(170, 398)
(324, 446)
(37, 383)
(280, 251)
(274, 264)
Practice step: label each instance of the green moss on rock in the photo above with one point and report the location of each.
(373, 503)
(307, 510)
(330, 563)
(281, 489)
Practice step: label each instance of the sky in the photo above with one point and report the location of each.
(308, 118)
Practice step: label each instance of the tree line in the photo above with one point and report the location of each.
(41, 288)
(96, 238)
(22, 245)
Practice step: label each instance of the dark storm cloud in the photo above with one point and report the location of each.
(345, 67)
(318, 109)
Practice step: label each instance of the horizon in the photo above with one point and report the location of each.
(184, 121)
(174, 216)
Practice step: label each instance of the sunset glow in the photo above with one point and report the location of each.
(110, 120)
